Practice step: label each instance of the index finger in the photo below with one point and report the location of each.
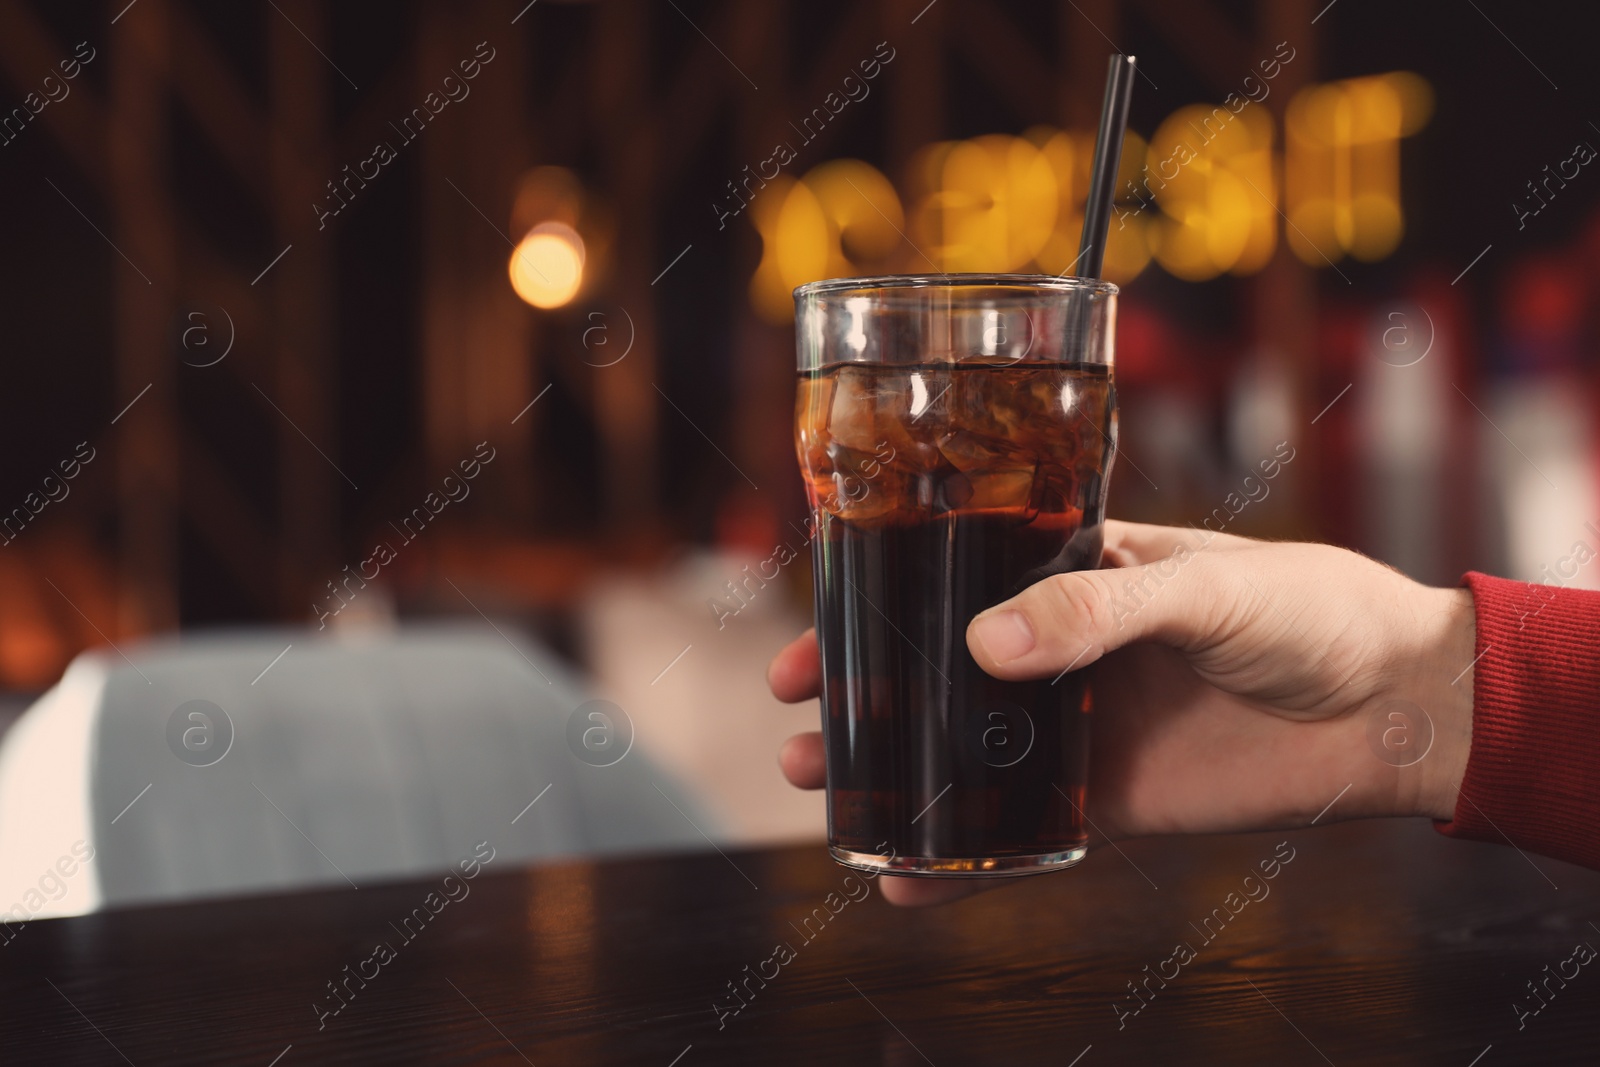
(1129, 544)
(795, 673)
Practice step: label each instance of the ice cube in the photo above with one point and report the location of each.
(996, 473)
(930, 396)
(1055, 489)
(952, 491)
(968, 451)
(1008, 488)
(812, 403)
(860, 485)
(869, 405)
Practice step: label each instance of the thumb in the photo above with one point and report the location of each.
(1068, 621)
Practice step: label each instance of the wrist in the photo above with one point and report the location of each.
(1444, 688)
(1410, 737)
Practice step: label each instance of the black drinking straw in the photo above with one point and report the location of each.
(1107, 160)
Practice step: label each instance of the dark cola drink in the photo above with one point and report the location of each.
(941, 489)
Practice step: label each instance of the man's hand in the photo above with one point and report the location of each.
(1236, 684)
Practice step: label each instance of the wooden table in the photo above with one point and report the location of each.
(1374, 944)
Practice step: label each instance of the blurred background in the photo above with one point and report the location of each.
(351, 316)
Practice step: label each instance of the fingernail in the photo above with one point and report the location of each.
(1005, 635)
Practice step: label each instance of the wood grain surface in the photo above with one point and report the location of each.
(1375, 944)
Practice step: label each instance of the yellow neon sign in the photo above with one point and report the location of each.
(1202, 198)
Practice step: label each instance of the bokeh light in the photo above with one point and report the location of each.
(1342, 170)
(1070, 154)
(841, 218)
(993, 207)
(1212, 173)
(1207, 195)
(547, 266)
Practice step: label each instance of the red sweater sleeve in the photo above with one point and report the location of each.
(1533, 774)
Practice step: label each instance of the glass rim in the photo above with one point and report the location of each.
(1037, 282)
